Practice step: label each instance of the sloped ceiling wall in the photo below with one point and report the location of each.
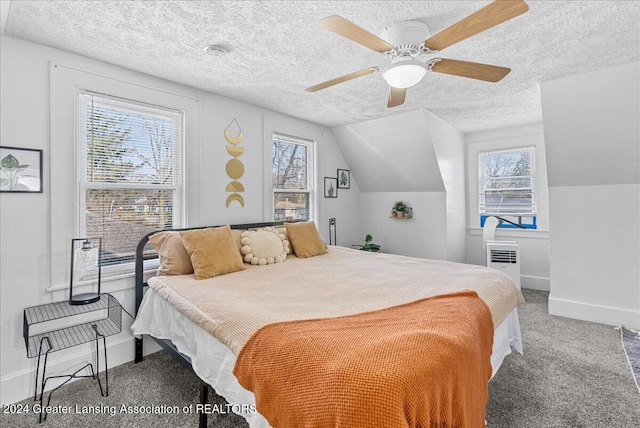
(591, 127)
(391, 154)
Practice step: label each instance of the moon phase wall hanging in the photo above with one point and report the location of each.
(235, 168)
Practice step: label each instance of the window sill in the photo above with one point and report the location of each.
(112, 274)
(510, 233)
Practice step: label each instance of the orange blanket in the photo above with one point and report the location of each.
(421, 364)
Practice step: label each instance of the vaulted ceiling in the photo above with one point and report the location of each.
(277, 50)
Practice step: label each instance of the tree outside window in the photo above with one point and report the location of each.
(129, 172)
(291, 178)
(506, 183)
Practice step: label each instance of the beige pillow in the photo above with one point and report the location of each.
(264, 246)
(237, 237)
(213, 251)
(283, 231)
(174, 259)
(305, 239)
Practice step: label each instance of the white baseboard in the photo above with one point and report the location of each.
(18, 386)
(535, 283)
(594, 313)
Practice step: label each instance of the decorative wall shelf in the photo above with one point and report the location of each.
(407, 212)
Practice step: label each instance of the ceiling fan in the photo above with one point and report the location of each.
(412, 59)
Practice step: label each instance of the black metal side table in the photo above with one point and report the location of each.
(82, 324)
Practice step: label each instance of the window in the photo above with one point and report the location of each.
(292, 178)
(506, 186)
(129, 172)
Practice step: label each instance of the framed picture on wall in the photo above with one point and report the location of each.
(344, 179)
(330, 187)
(20, 170)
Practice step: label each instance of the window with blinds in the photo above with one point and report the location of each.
(292, 177)
(506, 183)
(129, 172)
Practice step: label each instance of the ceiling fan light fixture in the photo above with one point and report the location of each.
(404, 74)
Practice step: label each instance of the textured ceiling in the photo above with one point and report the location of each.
(277, 49)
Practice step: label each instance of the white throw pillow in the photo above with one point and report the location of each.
(264, 246)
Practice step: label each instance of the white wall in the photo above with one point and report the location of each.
(594, 255)
(424, 235)
(592, 131)
(534, 244)
(448, 143)
(30, 237)
(417, 158)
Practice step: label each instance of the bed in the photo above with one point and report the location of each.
(213, 325)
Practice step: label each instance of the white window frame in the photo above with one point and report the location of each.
(65, 82)
(178, 187)
(481, 181)
(310, 190)
(272, 126)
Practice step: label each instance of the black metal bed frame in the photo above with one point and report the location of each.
(140, 284)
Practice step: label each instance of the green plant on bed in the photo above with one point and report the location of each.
(368, 245)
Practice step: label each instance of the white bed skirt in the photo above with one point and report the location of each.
(213, 362)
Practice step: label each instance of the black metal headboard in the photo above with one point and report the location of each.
(139, 265)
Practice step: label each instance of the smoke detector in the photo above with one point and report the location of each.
(216, 50)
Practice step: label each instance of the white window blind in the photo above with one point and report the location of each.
(506, 182)
(129, 172)
(292, 177)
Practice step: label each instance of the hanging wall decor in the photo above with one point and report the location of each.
(344, 179)
(330, 187)
(20, 170)
(235, 168)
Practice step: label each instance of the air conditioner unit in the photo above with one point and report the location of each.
(505, 256)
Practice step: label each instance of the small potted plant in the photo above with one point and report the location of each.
(368, 245)
(399, 208)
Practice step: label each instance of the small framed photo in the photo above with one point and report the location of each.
(344, 179)
(330, 187)
(20, 170)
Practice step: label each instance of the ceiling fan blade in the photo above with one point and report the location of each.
(351, 31)
(341, 79)
(472, 70)
(489, 16)
(396, 96)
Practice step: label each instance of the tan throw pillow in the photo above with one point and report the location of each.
(305, 239)
(213, 251)
(264, 246)
(174, 259)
